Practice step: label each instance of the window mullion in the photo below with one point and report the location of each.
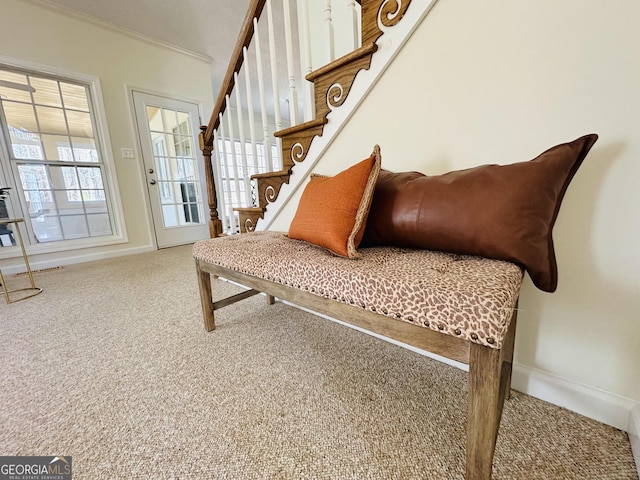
(59, 208)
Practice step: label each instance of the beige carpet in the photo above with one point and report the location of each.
(111, 365)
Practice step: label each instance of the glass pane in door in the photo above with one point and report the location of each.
(174, 159)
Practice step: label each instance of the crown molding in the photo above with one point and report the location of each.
(68, 12)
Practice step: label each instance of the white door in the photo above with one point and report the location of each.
(174, 168)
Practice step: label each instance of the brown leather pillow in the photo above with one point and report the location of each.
(505, 212)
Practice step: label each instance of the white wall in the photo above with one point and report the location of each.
(499, 82)
(40, 35)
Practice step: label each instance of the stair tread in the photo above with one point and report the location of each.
(277, 173)
(316, 122)
(249, 209)
(344, 60)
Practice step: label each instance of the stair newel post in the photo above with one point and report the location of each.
(215, 225)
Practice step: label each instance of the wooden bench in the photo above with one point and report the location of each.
(457, 306)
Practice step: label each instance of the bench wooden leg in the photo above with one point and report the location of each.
(206, 298)
(507, 356)
(489, 387)
(484, 410)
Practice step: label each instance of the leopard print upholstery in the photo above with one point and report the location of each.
(465, 296)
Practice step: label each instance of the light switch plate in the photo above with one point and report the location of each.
(126, 153)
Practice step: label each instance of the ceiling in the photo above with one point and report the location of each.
(206, 28)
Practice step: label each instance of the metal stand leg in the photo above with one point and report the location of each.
(34, 290)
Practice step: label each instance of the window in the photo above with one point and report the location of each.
(232, 172)
(236, 190)
(54, 157)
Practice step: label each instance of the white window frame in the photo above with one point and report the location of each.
(103, 141)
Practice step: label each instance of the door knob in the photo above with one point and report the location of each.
(150, 170)
(152, 182)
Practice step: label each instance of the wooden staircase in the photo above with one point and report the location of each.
(331, 86)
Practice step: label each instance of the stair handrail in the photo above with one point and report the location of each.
(235, 64)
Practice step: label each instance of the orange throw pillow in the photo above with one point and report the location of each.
(333, 211)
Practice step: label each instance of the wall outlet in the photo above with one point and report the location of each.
(127, 153)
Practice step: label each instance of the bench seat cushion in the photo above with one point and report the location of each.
(466, 296)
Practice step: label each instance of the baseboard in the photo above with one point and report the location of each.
(634, 435)
(61, 260)
(592, 402)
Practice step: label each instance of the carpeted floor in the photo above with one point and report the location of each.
(111, 365)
